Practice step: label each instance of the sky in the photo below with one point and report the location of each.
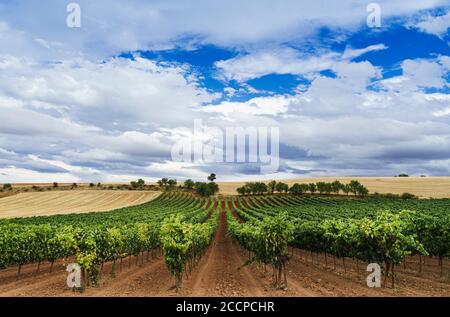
(109, 100)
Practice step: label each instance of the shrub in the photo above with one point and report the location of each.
(408, 196)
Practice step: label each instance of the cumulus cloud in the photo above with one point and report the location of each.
(111, 114)
(418, 74)
(72, 112)
(346, 128)
(437, 25)
(111, 27)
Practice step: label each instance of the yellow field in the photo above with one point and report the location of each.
(65, 202)
(424, 187)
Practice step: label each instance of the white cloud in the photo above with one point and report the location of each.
(284, 60)
(442, 113)
(117, 91)
(437, 25)
(70, 112)
(278, 61)
(350, 53)
(111, 27)
(347, 129)
(77, 113)
(255, 106)
(424, 73)
(23, 175)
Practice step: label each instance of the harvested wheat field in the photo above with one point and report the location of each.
(424, 187)
(65, 202)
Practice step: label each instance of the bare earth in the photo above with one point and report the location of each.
(65, 202)
(424, 187)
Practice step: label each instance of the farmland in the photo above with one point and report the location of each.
(130, 251)
(62, 202)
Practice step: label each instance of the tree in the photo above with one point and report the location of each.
(346, 189)
(7, 186)
(362, 191)
(248, 189)
(354, 186)
(328, 188)
(304, 187)
(271, 186)
(206, 189)
(321, 187)
(171, 183)
(74, 185)
(189, 184)
(336, 186)
(163, 182)
(296, 189)
(212, 177)
(312, 188)
(55, 184)
(241, 190)
(357, 188)
(261, 188)
(91, 185)
(255, 188)
(139, 184)
(282, 187)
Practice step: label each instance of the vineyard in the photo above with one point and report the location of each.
(179, 244)
(96, 238)
(371, 230)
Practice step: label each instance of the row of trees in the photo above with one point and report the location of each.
(167, 184)
(335, 187)
(203, 189)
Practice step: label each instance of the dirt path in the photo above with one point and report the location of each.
(218, 272)
(221, 272)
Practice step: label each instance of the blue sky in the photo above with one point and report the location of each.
(403, 43)
(108, 101)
